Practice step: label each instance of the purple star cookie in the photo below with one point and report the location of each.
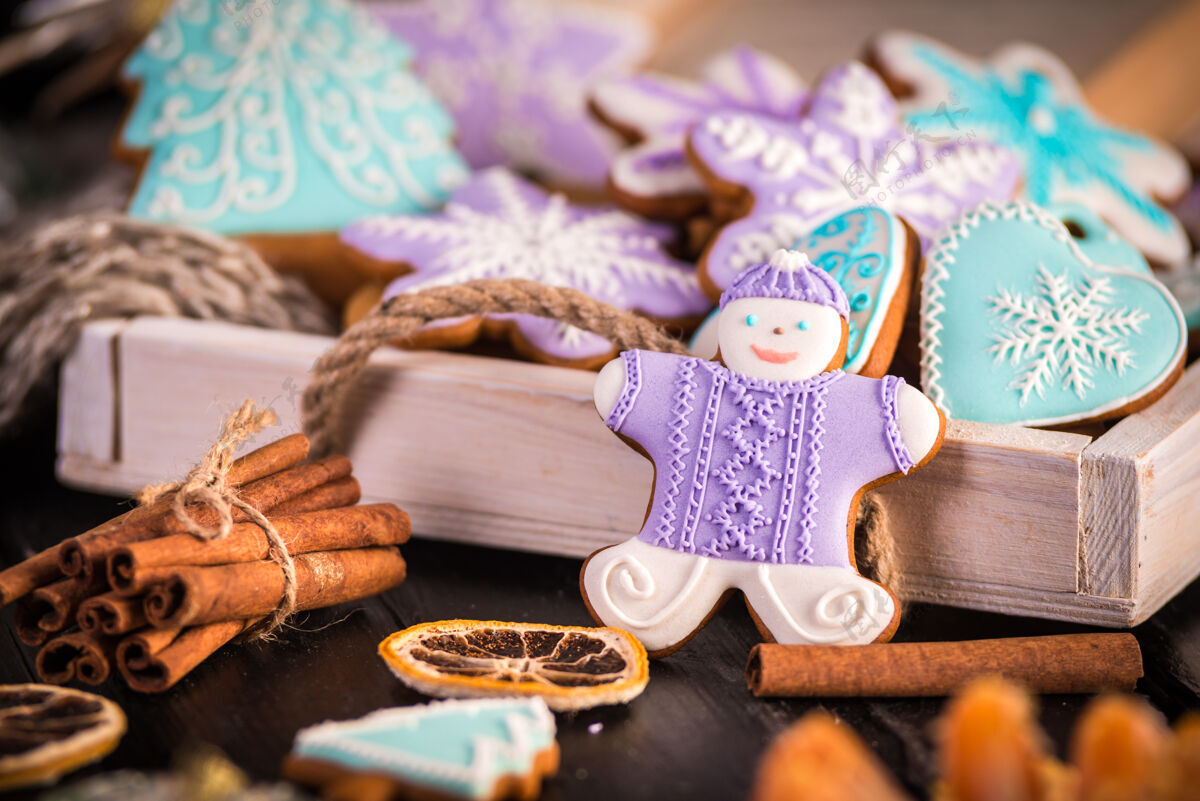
(499, 226)
(653, 177)
(515, 73)
(846, 150)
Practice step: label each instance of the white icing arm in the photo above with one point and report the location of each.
(608, 387)
(919, 421)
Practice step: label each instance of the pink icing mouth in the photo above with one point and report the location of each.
(773, 356)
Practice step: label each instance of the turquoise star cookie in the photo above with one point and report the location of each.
(1026, 99)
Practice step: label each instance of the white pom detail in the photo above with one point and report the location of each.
(789, 260)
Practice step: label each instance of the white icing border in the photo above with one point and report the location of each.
(936, 270)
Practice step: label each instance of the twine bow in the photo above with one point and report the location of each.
(207, 485)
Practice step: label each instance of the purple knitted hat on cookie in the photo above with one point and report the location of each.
(790, 275)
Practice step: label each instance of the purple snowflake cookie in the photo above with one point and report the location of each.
(515, 73)
(847, 149)
(653, 176)
(500, 226)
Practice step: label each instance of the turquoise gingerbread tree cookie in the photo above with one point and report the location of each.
(281, 118)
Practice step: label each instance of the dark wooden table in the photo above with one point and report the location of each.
(695, 733)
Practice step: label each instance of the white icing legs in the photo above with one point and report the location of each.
(662, 596)
(809, 605)
(657, 595)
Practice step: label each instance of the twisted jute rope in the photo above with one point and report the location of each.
(396, 319)
(105, 265)
(399, 317)
(207, 485)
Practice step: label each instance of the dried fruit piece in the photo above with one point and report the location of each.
(46, 731)
(1118, 746)
(990, 746)
(570, 667)
(819, 759)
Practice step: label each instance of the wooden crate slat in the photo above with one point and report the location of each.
(1140, 483)
(998, 505)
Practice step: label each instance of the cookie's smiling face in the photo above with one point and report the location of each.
(778, 339)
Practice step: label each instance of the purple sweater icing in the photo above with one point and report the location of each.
(756, 470)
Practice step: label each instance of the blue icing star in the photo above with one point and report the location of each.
(1069, 154)
(284, 117)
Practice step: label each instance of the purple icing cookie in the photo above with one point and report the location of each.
(847, 149)
(514, 73)
(499, 226)
(653, 176)
(759, 463)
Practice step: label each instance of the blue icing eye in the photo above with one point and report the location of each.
(751, 319)
(802, 325)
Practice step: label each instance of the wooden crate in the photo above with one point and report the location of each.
(513, 455)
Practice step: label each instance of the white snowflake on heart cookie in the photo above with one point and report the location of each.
(1063, 330)
(847, 149)
(500, 226)
(515, 74)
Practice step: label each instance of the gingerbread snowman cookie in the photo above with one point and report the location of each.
(761, 460)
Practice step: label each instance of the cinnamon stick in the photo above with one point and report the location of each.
(20, 579)
(196, 595)
(52, 608)
(267, 493)
(1068, 663)
(76, 556)
(82, 556)
(78, 655)
(111, 613)
(331, 495)
(154, 660)
(324, 530)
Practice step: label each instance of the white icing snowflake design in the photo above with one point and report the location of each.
(1063, 331)
(499, 226)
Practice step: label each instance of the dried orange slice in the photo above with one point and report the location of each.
(570, 667)
(46, 731)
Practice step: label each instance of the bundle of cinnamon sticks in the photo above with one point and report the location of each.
(142, 594)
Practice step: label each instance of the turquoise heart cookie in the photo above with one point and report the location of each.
(1019, 325)
(867, 251)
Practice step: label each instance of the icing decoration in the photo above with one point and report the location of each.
(658, 109)
(866, 251)
(847, 150)
(459, 748)
(499, 226)
(759, 462)
(303, 119)
(1019, 325)
(1024, 98)
(515, 75)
